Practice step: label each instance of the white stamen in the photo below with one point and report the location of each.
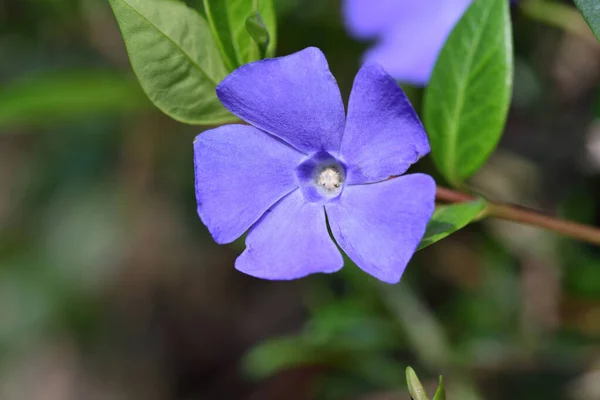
(330, 178)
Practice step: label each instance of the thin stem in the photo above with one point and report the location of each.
(446, 195)
(526, 216)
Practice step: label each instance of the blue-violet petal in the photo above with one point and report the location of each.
(383, 135)
(411, 33)
(366, 19)
(379, 226)
(240, 173)
(294, 98)
(290, 241)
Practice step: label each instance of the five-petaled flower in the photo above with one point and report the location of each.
(301, 159)
(410, 33)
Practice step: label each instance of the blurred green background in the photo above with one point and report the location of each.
(111, 287)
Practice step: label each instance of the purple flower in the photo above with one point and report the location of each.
(410, 33)
(301, 159)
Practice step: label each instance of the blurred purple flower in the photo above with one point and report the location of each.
(410, 33)
(301, 157)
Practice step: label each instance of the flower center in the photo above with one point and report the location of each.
(330, 178)
(321, 177)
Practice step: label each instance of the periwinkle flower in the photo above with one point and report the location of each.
(409, 33)
(300, 159)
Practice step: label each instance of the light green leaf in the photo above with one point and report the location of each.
(440, 393)
(448, 219)
(65, 95)
(227, 20)
(591, 12)
(467, 99)
(415, 388)
(175, 58)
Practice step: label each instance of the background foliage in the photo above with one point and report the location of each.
(110, 287)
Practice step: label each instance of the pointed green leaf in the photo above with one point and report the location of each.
(591, 12)
(448, 219)
(416, 390)
(175, 58)
(467, 99)
(440, 393)
(65, 95)
(228, 21)
(257, 29)
(275, 355)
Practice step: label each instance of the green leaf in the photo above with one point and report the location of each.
(61, 95)
(590, 9)
(257, 29)
(350, 325)
(416, 390)
(175, 58)
(440, 393)
(448, 219)
(467, 99)
(275, 355)
(228, 21)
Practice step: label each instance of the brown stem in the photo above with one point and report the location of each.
(523, 215)
(446, 195)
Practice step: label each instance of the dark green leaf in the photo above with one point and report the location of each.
(416, 390)
(467, 99)
(275, 355)
(228, 21)
(175, 58)
(349, 325)
(591, 12)
(448, 219)
(61, 95)
(379, 369)
(440, 393)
